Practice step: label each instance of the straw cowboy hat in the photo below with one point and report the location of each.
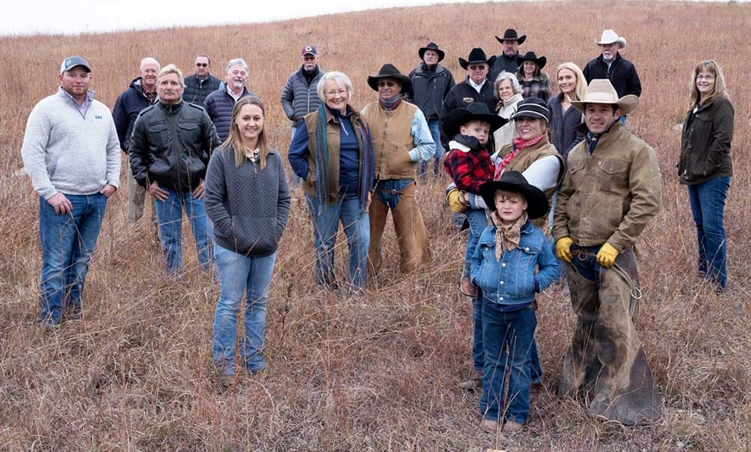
(514, 181)
(609, 37)
(390, 71)
(601, 91)
(432, 46)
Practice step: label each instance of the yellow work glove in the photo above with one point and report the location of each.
(563, 249)
(455, 197)
(606, 256)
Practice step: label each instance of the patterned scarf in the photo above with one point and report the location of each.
(320, 147)
(507, 236)
(517, 145)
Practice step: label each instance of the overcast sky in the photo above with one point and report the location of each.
(77, 16)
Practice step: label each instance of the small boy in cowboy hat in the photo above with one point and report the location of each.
(505, 266)
(469, 165)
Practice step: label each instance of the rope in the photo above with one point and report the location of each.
(636, 293)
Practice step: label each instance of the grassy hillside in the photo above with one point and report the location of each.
(376, 372)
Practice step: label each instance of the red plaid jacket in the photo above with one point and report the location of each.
(468, 169)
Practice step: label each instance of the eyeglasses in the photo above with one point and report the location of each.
(389, 83)
(332, 93)
(705, 77)
(202, 65)
(477, 67)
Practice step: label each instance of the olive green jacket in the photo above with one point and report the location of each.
(608, 196)
(705, 142)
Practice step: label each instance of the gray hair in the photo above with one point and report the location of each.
(340, 78)
(150, 60)
(236, 61)
(171, 69)
(507, 76)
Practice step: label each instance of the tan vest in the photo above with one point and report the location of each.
(527, 157)
(391, 135)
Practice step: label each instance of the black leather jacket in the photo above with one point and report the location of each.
(172, 144)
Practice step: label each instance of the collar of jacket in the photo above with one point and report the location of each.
(330, 116)
(422, 70)
(617, 58)
(171, 109)
(610, 135)
(316, 71)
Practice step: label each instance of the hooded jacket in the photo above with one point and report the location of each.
(127, 107)
(171, 144)
(429, 88)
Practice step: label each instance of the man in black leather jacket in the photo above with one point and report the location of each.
(169, 151)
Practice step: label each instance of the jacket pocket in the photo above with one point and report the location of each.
(525, 264)
(613, 174)
(254, 235)
(577, 169)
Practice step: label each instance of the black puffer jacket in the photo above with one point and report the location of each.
(127, 107)
(705, 142)
(172, 144)
(219, 105)
(196, 89)
(429, 88)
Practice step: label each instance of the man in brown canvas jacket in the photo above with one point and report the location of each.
(611, 191)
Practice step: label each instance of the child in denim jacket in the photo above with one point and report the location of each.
(503, 267)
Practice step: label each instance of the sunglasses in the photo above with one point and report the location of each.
(202, 65)
(477, 67)
(389, 83)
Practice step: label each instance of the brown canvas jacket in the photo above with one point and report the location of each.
(612, 194)
(705, 142)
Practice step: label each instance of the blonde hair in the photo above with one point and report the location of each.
(580, 91)
(234, 140)
(719, 84)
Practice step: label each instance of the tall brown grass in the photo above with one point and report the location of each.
(376, 372)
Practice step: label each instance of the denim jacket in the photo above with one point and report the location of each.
(512, 281)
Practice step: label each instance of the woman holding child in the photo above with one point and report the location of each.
(248, 201)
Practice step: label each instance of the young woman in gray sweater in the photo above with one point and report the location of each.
(248, 201)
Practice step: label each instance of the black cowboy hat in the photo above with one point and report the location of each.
(532, 107)
(432, 46)
(476, 111)
(530, 56)
(477, 55)
(510, 35)
(390, 71)
(514, 181)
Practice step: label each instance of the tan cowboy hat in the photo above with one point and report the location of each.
(601, 91)
(609, 37)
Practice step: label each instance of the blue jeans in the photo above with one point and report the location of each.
(294, 179)
(502, 332)
(169, 215)
(435, 132)
(67, 245)
(708, 209)
(478, 350)
(350, 212)
(477, 223)
(240, 276)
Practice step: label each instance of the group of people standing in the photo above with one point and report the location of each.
(534, 175)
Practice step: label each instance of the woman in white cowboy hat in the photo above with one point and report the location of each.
(534, 82)
(706, 166)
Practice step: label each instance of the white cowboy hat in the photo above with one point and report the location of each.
(609, 37)
(601, 91)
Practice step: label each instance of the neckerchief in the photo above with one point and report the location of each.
(392, 103)
(252, 154)
(507, 236)
(517, 145)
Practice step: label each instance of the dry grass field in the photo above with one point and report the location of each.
(376, 372)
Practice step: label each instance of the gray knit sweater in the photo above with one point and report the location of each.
(65, 151)
(249, 207)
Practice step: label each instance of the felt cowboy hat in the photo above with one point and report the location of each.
(477, 55)
(476, 111)
(514, 181)
(601, 91)
(532, 107)
(390, 71)
(432, 46)
(530, 56)
(510, 35)
(609, 37)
